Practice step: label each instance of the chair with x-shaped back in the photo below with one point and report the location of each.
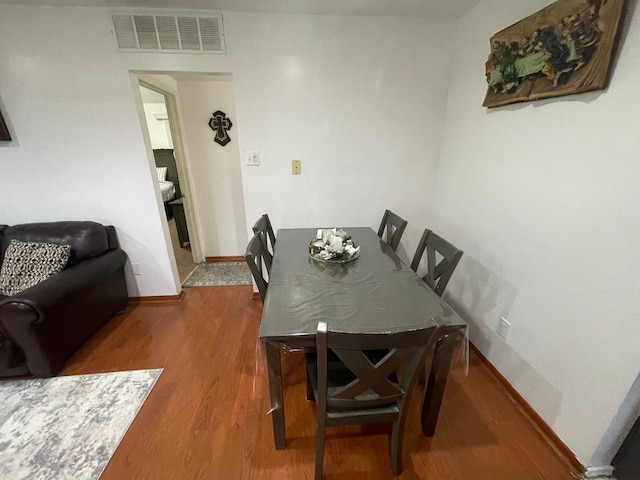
(391, 229)
(264, 228)
(351, 387)
(442, 259)
(256, 257)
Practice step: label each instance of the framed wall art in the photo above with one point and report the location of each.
(565, 48)
(4, 131)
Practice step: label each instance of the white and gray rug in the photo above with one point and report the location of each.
(219, 273)
(67, 428)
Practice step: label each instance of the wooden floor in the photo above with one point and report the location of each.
(184, 257)
(206, 418)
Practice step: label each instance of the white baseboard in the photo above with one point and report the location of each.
(600, 472)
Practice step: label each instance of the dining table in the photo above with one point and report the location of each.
(374, 292)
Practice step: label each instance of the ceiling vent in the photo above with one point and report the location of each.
(168, 33)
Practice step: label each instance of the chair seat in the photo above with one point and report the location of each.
(372, 415)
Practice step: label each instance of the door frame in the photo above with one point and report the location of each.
(145, 79)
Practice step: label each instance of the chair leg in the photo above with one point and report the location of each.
(397, 434)
(310, 395)
(320, 448)
(422, 379)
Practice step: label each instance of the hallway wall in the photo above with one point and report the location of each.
(215, 169)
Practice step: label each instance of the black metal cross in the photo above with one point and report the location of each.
(220, 124)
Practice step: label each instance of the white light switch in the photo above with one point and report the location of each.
(252, 157)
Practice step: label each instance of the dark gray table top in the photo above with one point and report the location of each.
(375, 292)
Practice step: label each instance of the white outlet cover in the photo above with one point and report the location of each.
(503, 327)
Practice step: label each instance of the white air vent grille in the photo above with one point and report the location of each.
(168, 33)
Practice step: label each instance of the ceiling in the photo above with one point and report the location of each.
(413, 8)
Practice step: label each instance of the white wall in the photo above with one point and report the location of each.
(543, 198)
(215, 169)
(78, 152)
(358, 99)
(159, 132)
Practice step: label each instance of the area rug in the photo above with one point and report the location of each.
(219, 273)
(67, 427)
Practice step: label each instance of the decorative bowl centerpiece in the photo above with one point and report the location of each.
(333, 245)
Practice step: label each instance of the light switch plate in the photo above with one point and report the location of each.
(296, 168)
(252, 157)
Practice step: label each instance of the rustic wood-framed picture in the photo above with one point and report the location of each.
(565, 48)
(4, 131)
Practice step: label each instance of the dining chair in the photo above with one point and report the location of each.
(391, 229)
(264, 228)
(350, 387)
(442, 259)
(255, 256)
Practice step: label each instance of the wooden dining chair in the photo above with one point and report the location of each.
(442, 259)
(264, 228)
(350, 387)
(391, 229)
(256, 257)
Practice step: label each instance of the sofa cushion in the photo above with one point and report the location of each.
(87, 239)
(26, 264)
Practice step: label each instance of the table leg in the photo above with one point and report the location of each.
(275, 391)
(437, 381)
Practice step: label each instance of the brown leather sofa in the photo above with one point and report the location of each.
(42, 326)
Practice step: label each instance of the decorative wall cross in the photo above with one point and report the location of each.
(220, 124)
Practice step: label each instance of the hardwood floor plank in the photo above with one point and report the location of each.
(207, 417)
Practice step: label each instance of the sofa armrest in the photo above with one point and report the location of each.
(65, 285)
(50, 321)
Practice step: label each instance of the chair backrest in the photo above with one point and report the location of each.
(369, 381)
(391, 229)
(264, 228)
(255, 256)
(442, 259)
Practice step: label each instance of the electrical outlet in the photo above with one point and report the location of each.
(503, 327)
(252, 157)
(296, 168)
(135, 268)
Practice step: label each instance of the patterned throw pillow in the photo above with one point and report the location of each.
(26, 264)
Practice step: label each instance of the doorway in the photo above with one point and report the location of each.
(210, 173)
(172, 188)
